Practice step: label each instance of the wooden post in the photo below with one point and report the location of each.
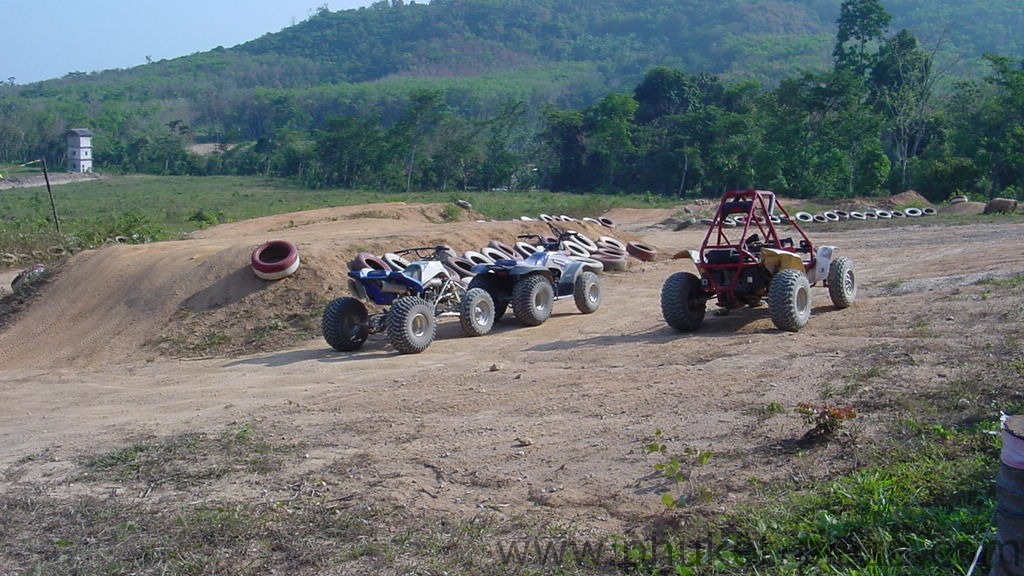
(53, 205)
(1008, 554)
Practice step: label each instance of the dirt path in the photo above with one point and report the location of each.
(556, 428)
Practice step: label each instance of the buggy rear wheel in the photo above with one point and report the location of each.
(789, 300)
(344, 324)
(533, 297)
(411, 325)
(587, 292)
(476, 312)
(683, 301)
(842, 282)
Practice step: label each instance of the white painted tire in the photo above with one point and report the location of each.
(586, 242)
(495, 254)
(804, 217)
(395, 261)
(576, 249)
(525, 249)
(928, 211)
(476, 257)
(831, 216)
(855, 215)
(613, 242)
(913, 212)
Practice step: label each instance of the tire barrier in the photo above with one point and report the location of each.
(547, 218)
(576, 249)
(586, 242)
(606, 222)
(730, 223)
(804, 217)
(928, 211)
(960, 199)
(611, 262)
(856, 215)
(897, 214)
(883, 214)
(642, 251)
(831, 216)
(525, 219)
(477, 258)
(590, 220)
(871, 215)
(462, 267)
(495, 254)
(499, 245)
(707, 221)
(525, 249)
(819, 218)
(912, 212)
(394, 261)
(843, 214)
(565, 218)
(615, 243)
(275, 260)
(464, 204)
(9, 258)
(366, 260)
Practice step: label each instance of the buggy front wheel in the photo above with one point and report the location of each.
(683, 302)
(789, 300)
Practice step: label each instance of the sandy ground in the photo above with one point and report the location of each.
(548, 420)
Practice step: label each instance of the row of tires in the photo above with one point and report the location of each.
(869, 214)
(600, 220)
(606, 253)
(833, 216)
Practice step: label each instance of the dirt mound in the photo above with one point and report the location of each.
(198, 296)
(963, 208)
(907, 198)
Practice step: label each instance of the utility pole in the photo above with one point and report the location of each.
(53, 205)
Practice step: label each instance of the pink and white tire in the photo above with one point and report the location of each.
(394, 261)
(498, 244)
(576, 249)
(496, 254)
(477, 257)
(274, 260)
(367, 260)
(586, 242)
(525, 249)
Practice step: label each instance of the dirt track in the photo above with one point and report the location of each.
(442, 431)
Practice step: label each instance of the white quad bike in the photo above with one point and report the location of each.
(417, 295)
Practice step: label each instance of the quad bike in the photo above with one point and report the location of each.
(745, 265)
(424, 291)
(531, 286)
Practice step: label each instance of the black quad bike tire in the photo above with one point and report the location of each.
(789, 300)
(842, 282)
(586, 292)
(476, 312)
(533, 298)
(683, 301)
(411, 325)
(344, 324)
(490, 284)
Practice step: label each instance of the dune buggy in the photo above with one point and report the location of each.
(532, 285)
(417, 295)
(753, 262)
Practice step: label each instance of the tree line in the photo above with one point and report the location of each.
(876, 122)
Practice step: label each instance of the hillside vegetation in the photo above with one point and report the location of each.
(659, 97)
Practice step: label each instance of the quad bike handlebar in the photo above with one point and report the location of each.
(425, 252)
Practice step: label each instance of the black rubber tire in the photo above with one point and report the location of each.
(683, 303)
(411, 325)
(487, 282)
(842, 282)
(586, 292)
(476, 312)
(344, 324)
(533, 298)
(789, 300)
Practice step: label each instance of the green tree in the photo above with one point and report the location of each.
(861, 27)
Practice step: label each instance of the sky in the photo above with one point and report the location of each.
(48, 40)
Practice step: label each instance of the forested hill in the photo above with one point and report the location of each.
(765, 40)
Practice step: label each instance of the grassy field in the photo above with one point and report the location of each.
(145, 208)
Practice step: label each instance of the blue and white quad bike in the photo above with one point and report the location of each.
(417, 296)
(531, 286)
